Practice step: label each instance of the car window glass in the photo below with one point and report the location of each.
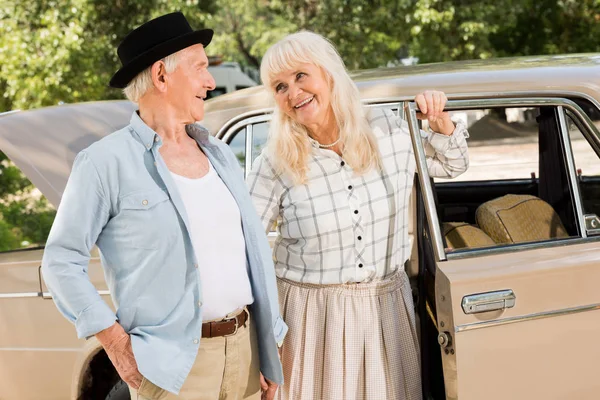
(588, 168)
(516, 189)
(503, 143)
(238, 146)
(260, 133)
(26, 216)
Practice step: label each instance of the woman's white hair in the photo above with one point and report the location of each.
(288, 144)
(143, 81)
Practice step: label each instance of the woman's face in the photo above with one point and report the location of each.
(304, 94)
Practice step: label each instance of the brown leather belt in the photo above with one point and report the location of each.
(226, 327)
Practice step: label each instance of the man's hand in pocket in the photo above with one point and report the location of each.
(117, 344)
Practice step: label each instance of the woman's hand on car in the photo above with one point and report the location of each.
(431, 105)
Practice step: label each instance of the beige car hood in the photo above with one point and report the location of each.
(43, 143)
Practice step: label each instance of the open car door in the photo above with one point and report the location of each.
(517, 321)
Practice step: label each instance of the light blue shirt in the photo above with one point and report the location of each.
(121, 197)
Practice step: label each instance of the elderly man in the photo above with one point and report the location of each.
(184, 253)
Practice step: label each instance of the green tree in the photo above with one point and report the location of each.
(444, 30)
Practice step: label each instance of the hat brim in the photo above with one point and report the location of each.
(124, 75)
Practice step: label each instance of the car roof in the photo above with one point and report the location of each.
(501, 77)
(43, 142)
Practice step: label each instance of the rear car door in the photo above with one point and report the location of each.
(515, 319)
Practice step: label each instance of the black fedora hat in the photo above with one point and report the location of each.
(153, 41)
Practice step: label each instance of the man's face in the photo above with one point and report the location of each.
(189, 83)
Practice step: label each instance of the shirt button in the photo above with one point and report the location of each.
(196, 341)
(355, 211)
(145, 202)
(196, 265)
(360, 238)
(350, 187)
(156, 139)
(199, 304)
(155, 163)
(360, 265)
(342, 163)
(148, 146)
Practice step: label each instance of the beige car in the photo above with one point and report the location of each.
(505, 259)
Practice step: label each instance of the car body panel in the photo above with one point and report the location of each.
(547, 336)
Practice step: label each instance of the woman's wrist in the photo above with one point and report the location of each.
(444, 126)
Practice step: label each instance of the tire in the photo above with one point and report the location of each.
(119, 392)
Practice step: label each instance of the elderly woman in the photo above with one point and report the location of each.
(336, 179)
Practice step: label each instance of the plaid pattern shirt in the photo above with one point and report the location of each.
(342, 227)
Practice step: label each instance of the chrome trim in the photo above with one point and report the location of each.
(428, 199)
(587, 128)
(19, 295)
(592, 224)
(489, 301)
(399, 99)
(241, 120)
(528, 317)
(571, 170)
(497, 95)
(512, 248)
(46, 349)
(47, 295)
(227, 136)
(248, 156)
(565, 104)
(5, 113)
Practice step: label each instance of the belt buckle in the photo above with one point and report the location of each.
(237, 325)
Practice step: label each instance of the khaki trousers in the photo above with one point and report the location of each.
(226, 368)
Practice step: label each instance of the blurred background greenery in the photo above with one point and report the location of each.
(54, 51)
(65, 50)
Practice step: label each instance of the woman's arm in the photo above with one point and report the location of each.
(445, 145)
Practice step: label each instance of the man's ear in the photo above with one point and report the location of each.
(159, 78)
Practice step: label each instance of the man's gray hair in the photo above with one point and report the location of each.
(143, 81)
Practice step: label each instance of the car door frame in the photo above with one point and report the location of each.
(446, 305)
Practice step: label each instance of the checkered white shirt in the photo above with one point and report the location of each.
(341, 227)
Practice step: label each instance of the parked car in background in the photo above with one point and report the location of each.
(229, 77)
(505, 260)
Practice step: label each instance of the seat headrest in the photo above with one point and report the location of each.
(461, 235)
(519, 218)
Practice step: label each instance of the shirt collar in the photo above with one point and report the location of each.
(148, 136)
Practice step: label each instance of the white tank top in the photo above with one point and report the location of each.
(218, 240)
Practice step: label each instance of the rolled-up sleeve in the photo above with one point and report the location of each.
(81, 216)
(447, 156)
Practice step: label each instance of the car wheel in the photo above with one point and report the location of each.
(119, 392)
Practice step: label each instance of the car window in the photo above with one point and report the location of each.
(238, 146)
(503, 143)
(26, 216)
(587, 164)
(516, 189)
(260, 133)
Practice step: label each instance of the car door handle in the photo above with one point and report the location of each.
(489, 301)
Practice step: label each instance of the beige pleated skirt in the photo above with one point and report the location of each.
(350, 341)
